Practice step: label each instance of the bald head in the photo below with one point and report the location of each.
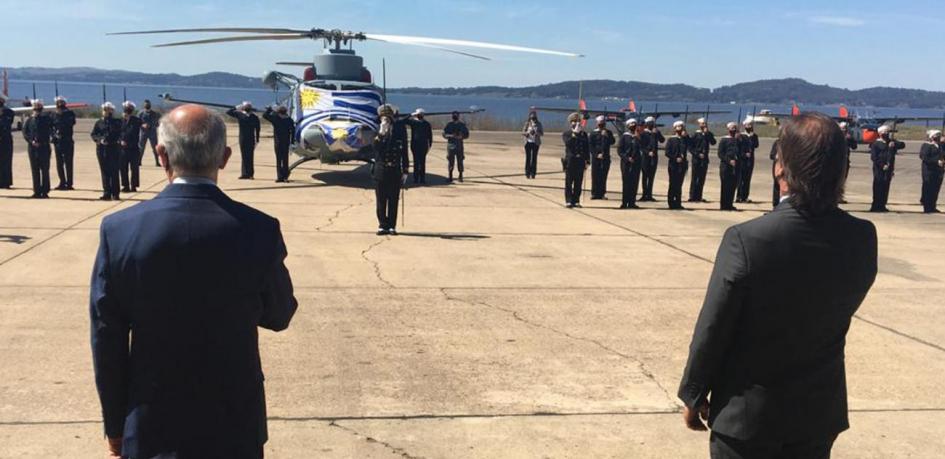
(194, 141)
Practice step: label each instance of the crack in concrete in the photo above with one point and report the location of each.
(331, 220)
(376, 265)
(399, 451)
(515, 315)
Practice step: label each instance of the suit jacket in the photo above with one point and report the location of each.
(768, 345)
(190, 275)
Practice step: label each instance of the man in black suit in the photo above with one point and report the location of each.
(766, 365)
(179, 287)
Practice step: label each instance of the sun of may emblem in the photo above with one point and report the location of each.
(309, 99)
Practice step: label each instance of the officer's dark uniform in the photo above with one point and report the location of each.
(455, 153)
(6, 147)
(108, 131)
(283, 129)
(650, 141)
(676, 148)
(130, 160)
(931, 155)
(249, 137)
(38, 131)
(149, 134)
(746, 165)
(776, 195)
(577, 149)
(421, 140)
(701, 142)
(390, 165)
(628, 148)
(601, 140)
(852, 145)
(63, 125)
(883, 155)
(729, 150)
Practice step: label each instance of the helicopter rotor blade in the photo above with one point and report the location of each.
(421, 41)
(234, 39)
(296, 64)
(213, 29)
(441, 48)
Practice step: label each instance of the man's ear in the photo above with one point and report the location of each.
(227, 152)
(162, 155)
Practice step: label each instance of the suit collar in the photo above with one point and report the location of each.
(192, 191)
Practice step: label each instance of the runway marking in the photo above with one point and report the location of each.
(83, 220)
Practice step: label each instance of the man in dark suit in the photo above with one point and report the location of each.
(766, 365)
(188, 276)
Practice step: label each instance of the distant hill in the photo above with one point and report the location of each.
(780, 91)
(92, 75)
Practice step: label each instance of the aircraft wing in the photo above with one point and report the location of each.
(903, 119)
(470, 111)
(28, 110)
(586, 113)
(674, 113)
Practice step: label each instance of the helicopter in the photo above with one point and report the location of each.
(334, 104)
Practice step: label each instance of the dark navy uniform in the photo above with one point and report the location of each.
(601, 140)
(150, 120)
(577, 149)
(455, 133)
(63, 126)
(729, 151)
(746, 165)
(676, 148)
(701, 142)
(283, 129)
(932, 172)
(883, 155)
(6, 147)
(38, 131)
(390, 165)
(249, 137)
(107, 136)
(130, 159)
(852, 145)
(776, 195)
(650, 140)
(421, 140)
(628, 148)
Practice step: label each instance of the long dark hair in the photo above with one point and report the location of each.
(813, 152)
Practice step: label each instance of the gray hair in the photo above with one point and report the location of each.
(196, 147)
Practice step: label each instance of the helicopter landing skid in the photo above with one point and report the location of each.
(299, 162)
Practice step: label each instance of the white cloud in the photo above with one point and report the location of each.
(839, 21)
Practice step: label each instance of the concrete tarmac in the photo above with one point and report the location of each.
(498, 324)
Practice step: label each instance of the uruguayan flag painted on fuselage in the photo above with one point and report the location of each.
(327, 108)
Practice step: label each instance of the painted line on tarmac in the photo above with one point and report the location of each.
(899, 333)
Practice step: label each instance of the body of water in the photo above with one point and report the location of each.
(501, 108)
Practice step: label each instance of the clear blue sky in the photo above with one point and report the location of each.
(852, 44)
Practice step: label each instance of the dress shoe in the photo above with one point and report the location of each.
(392, 231)
(381, 231)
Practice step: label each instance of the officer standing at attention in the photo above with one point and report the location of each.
(746, 167)
(38, 131)
(577, 149)
(702, 140)
(63, 125)
(249, 136)
(6, 144)
(628, 148)
(150, 120)
(851, 144)
(729, 153)
(532, 132)
(130, 160)
(651, 138)
(421, 140)
(676, 148)
(933, 166)
(391, 165)
(283, 128)
(455, 133)
(107, 136)
(601, 140)
(883, 154)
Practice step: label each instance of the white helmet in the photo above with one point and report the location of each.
(245, 104)
(749, 122)
(731, 125)
(649, 119)
(419, 111)
(678, 124)
(128, 104)
(108, 106)
(600, 119)
(844, 125)
(934, 133)
(700, 121)
(631, 122)
(36, 103)
(884, 129)
(59, 98)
